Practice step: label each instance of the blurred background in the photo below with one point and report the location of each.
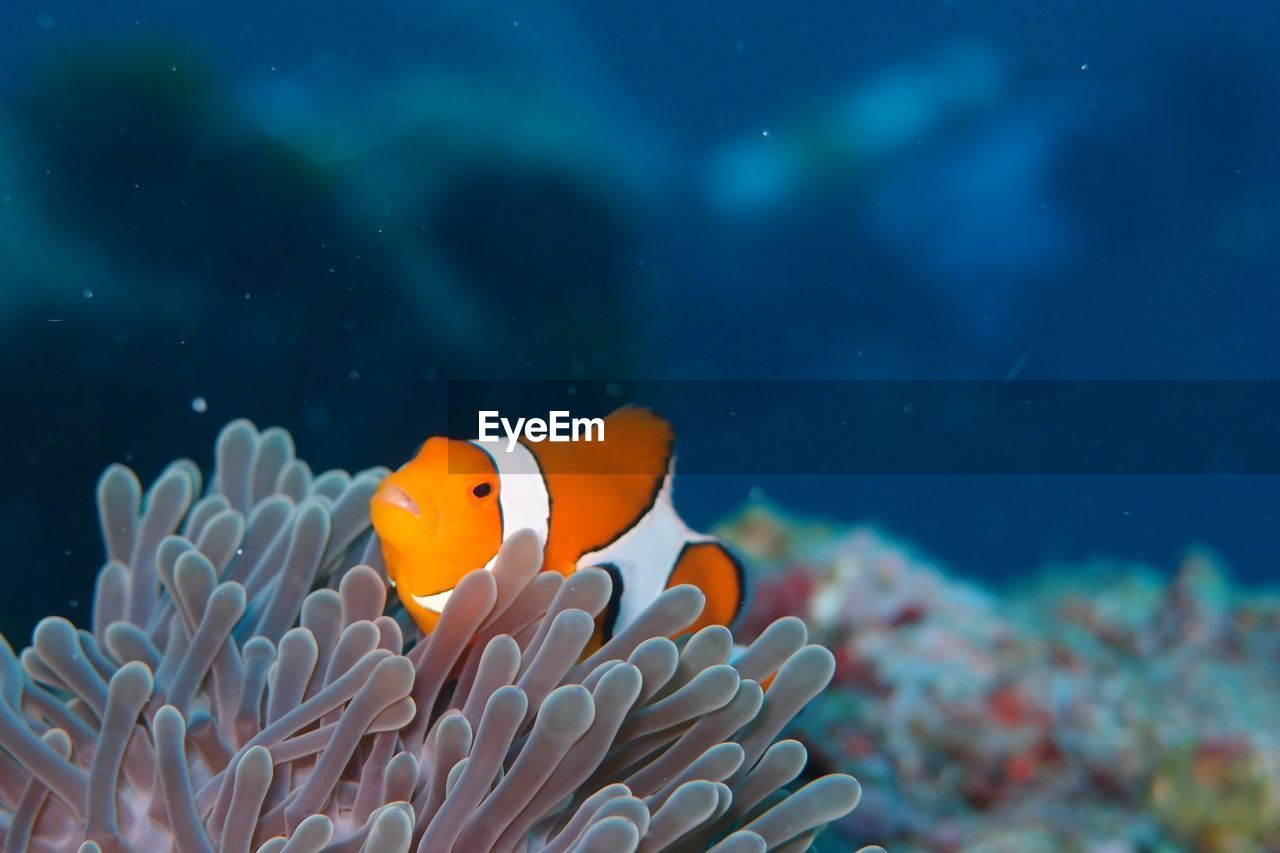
(313, 215)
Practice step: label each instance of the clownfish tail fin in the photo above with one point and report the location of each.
(720, 574)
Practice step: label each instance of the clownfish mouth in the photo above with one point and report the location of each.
(396, 496)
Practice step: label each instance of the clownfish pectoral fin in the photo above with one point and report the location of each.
(721, 576)
(609, 616)
(607, 621)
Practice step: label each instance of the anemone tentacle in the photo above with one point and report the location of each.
(243, 686)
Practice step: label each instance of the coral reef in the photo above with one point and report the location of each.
(241, 688)
(1100, 707)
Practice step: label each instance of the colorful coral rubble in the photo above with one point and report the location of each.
(241, 688)
(1099, 708)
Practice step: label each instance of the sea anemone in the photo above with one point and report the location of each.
(240, 687)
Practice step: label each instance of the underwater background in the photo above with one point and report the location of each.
(316, 215)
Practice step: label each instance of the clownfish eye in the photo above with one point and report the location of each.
(482, 490)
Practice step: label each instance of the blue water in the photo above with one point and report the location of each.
(314, 214)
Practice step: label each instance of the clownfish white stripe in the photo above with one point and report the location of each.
(644, 555)
(434, 603)
(522, 490)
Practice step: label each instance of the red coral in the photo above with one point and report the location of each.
(1011, 707)
(785, 595)
(908, 614)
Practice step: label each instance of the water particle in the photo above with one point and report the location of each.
(765, 134)
(355, 374)
(199, 405)
(1084, 67)
(87, 294)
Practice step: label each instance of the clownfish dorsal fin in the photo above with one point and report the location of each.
(599, 489)
(637, 441)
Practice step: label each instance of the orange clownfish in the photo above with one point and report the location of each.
(446, 512)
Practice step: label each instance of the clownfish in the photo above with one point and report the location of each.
(604, 504)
